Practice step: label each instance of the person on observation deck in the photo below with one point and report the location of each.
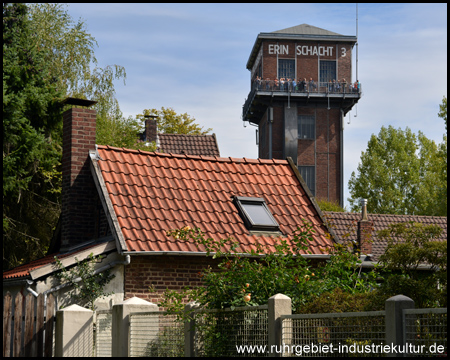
(312, 85)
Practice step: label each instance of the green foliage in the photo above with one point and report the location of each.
(169, 122)
(87, 285)
(442, 170)
(31, 147)
(410, 246)
(47, 56)
(72, 56)
(121, 132)
(326, 205)
(247, 278)
(399, 173)
(337, 301)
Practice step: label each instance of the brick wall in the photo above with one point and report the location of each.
(364, 233)
(150, 130)
(166, 271)
(161, 272)
(78, 189)
(307, 65)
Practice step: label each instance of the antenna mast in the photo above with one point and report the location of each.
(357, 41)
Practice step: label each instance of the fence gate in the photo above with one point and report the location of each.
(29, 332)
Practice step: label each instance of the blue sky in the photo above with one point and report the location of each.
(192, 57)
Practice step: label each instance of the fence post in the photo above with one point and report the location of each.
(74, 332)
(394, 323)
(189, 331)
(279, 304)
(121, 323)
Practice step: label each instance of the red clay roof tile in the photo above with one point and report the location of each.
(153, 192)
(345, 226)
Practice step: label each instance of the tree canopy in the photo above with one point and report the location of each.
(169, 122)
(46, 57)
(31, 137)
(402, 173)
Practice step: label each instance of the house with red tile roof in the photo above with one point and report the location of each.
(121, 203)
(180, 143)
(345, 227)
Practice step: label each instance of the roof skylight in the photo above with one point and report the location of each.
(256, 214)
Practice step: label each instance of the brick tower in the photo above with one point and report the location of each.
(303, 119)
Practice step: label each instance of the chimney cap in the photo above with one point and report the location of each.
(78, 102)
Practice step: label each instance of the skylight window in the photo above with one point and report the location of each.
(255, 213)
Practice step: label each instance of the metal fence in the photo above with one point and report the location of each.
(219, 332)
(103, 333)
(334, 334)
(315, 87)
(425, 330)
(156, 334)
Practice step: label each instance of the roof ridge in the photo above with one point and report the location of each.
(198, 157)
(378, 215)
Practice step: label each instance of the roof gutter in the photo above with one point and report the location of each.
(125, 262)
(203, 253)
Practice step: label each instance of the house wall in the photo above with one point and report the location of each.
(63, 295)
(147, 277)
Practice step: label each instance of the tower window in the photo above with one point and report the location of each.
(255, 213)
(308, 174)
(327, 71)
(286, 68)
(306, 127)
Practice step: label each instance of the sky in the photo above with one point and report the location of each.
(192, 58)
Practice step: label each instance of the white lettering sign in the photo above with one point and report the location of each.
(275, 49)
(314, 50)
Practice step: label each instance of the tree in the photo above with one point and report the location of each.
(399, 173)
(121, 132)
(411, 246)
(169, 122)
(31, 134)
(442, 205)
(88, 284)
(73, 56)
(46, 57)
(326, 205)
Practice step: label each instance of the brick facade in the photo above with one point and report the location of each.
(78, 190)
(147, 277)
(364, 236)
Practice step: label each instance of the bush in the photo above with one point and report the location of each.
(244, 280)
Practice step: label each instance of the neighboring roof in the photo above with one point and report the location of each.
(299, 32)
(189, 144)
(45, 265)
(345, 226)
(149, 193)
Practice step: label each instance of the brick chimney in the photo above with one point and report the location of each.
(365, 228)
(78, 188)
(150, 133)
